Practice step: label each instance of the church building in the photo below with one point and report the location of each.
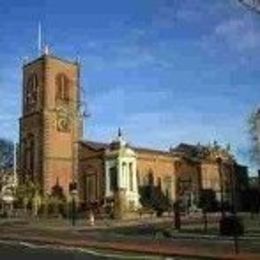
(50, 126)
(53, 151)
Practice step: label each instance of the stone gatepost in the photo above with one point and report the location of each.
(120, 205)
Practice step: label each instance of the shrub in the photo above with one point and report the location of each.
(231, 225)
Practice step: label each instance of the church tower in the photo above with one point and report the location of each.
(50, 126)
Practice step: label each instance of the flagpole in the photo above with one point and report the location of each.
(39, 38)
(15, 163)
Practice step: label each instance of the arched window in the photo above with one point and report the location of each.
(91, 183)
(124, 175)
(29, 157)
(177, 165)
(32, 89)
(62, 87)
(145, 180)
(32, 155)
(91, 187)
(138, 178)
(150, 178)
(159, 183)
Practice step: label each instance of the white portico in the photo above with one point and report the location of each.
(120, 173)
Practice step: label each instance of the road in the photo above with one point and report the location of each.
(18, 251)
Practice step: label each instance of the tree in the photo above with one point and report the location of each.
(28, 193)
(254, 133)
(6, 169)
(207, 200)
(152, 197)
(208, 203)
(6, 154)
(253, 5)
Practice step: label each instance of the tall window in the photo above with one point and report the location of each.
(146, 180)
(124, 175)
(113, 179)
(31, 90)
(138, 178)
(29, 157)
(62, 87)
(31, 165)
(91, 187)
(150, 178)
(177, 165)
(159, 183)
(131, 177)
(168, 186)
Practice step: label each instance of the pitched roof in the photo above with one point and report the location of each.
(183, 147)
(100, 145)
(189, 149)
(95, 145)
(150, 150)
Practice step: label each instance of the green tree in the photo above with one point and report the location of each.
(28, 193)
(207, 202)
(22, 196)
(152, 197)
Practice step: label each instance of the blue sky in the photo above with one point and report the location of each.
(166, 71)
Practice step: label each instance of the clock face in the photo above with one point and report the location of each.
(63, 124)
(32, 91)
(62, 120)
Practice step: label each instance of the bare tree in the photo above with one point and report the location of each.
(6, 154)
(254, 132)
(253, 5)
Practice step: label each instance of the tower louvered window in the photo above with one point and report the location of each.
(62, 87)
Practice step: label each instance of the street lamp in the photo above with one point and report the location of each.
(74, 193)
(176, 207)
(219, 162)
(234, 206)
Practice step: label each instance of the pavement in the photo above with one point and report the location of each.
(151, 248)
(97, 238)
(18, 251)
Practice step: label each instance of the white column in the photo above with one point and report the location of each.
(131, 171)
(173, 186)
(123, 174)
(135, 188)
(107, 179)
(127, 176)
(119, 173)
(135, 184)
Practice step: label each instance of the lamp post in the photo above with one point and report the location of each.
(219, 161)
(234, 207)
(176, 207)
(233, 189)
(15, 165)
(73, 206)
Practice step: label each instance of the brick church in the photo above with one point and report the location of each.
(53, 151)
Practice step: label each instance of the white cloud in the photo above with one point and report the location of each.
(239, 34)
(136, 48)
(168, 14)
(239, 37)
(161, 129)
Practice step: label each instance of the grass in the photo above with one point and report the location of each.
(252, 228)
(60, 228)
